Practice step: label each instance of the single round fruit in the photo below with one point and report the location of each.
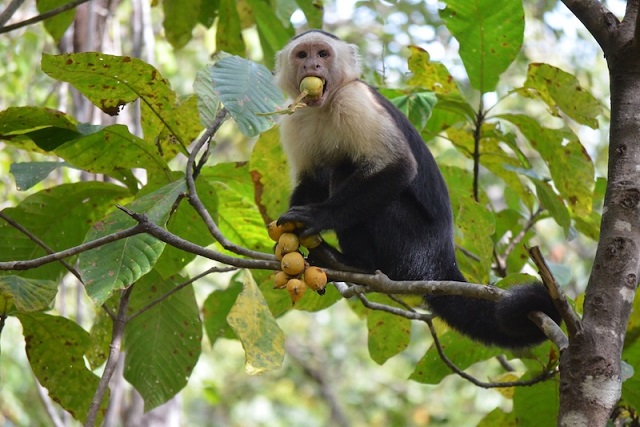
(315, 278)
(313, 86)
(280, 280)
(279, 252)
(275, 231)
(312, 241)
(296, 289)
(292, 263)
(290, 242)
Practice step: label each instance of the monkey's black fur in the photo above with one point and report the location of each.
(400, 222)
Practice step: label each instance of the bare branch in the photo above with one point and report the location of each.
(8, 11)
(49, 14)
(114, 354)
(40, 243)
(192, 172)
(550, 329)
(180, 243)
(177, 288)
(574, 325)
(57, 256)
(596, 18)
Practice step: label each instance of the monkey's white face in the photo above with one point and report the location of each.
(313, 59)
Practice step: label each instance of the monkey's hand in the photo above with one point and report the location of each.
(313, 217)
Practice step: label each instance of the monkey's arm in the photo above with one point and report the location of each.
(359, 194)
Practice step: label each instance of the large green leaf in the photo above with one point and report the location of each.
(274, 34)
(246, 88)
(554, 204)
(561, 91)
(27, 294)
(388, 334)
(537, 405)
(111, 82)
(180, 17)
(462, 351)
(490, 34)
(432, 76)
(58, 24)
(119, 264)
(208, 102)
(29, 174)
(162, 344)
(229, 30)
(17, 121)
(571, 167)
(110, 149)
(55, 347)
(215, 310)
(60, 217)
(269, 173)
(253, 323)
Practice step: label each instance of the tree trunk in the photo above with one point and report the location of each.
(590, 383)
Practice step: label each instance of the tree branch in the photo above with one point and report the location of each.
(597, 19)
(49, 14)
(573, 322)
(117, 334)
(57, 256)
(192, 172)
(8, 11)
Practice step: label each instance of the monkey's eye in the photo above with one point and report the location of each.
(323, 53)
(301, 55)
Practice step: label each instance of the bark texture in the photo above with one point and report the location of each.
(590, 367)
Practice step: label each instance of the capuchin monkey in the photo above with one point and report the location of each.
(360, 168)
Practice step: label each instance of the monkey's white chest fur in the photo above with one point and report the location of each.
(350, 125)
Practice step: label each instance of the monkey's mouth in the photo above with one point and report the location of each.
(314, 100)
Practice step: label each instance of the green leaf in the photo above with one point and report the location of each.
(246, 88)
(162, 345)
(29, 174)
(561, 91)
(119, 264)
(554, 204)
(490, 34)
(417, 106)
(100, 339)
(229, 30)
(253, 323)
(269, 166)
(27, 294)
(537, 405)
(110, 149)
(208, 101)
(432, 76)
(16, 121)
(238, 216)
(313, 11)
(462, 351)
(569, 163)
(60, 217)
(388, 334)
(55, 347)
(273, 34)
(56, 25)
(187, 223)
(216, 308)
(110, 82)
(180, 17)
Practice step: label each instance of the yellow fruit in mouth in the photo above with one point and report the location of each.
(313, 86)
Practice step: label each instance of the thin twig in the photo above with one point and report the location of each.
(8, 11)
(550, 329)
(57, 256)
(192, 172)
(42, 16)
(177, 288)
(574, 325)
(117, 335)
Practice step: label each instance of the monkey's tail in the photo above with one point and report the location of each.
(503, 323)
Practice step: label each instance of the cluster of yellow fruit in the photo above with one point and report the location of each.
(296, 275)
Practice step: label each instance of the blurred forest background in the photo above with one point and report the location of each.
(327, 368)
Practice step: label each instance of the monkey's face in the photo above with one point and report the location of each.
(313, 59)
